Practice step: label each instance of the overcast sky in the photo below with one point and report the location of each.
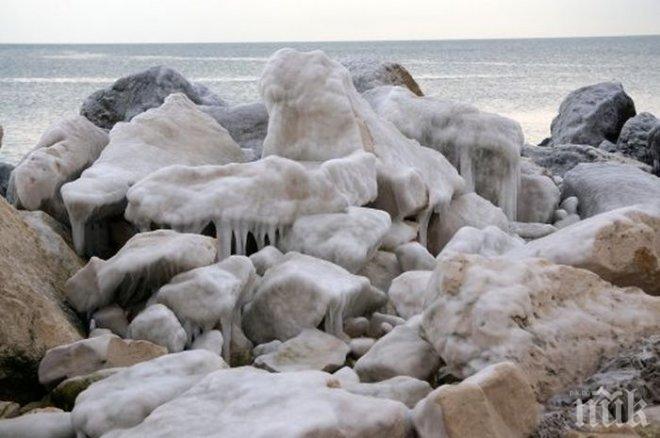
(128, 21)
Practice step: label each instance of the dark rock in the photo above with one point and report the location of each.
(136, 93)
(592, 114)
(368, 73)
(5, 172)
(247, 124)
(654, 147)
(634, 138)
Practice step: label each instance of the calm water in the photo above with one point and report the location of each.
(523, 79)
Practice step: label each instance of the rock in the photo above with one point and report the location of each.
(139, 92)
(567, 221)
(210, 340)
(466, 210)
(531, 231)
(41, 425)
(346, 377)
(559, 215)
(602, 187)
(347, 239)
(407, 292)
(484, 147)
(402, 352)
(5, 173)
(159, 325)
(64, 395)
(369, 72)
(9, 410)
(93, 354)
(489, 241)
(111, 317)
(305, 403)
(621, 246)
(561, 158)
(538, 198)
(68, 147)
(400, 232)
(497, 402)
(360, 346)
(268, 347)
(407, 390)
(592, 114)
(119, 402)
(211, 297)
(381, 270)
(303, 291)
(570, 204)
(266, 258)
(356, 327)
(414, 257)
(247, 124)
(310, 350)
(556, 322)
(634, 138)
(653, 146)
(34, 315)
(141, 267)
(174, 133)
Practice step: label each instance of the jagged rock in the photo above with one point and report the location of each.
(400, 232)
(141, 267)
(653, 145)
(119, 401)
(414, 257)
(305, 403)
(489, 241)
(497, 402)
(405, 389)
(556, 322)
(634, 138)
(301, 292)
(266, 258)
(484, 147)
(621, 246)
(174, 133)
(247, 124)
(38, 425)
(592, 114)
(159, 325)
(538, 198)
(407, 292)
(68, 147)
(139, 92)
(32, 309)
(5, 173)
(312, 349)
(531, 230)
(64, 395)
(382, 269)
(370, 72)
(210, 340)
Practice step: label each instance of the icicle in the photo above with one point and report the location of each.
(423, 218)
(78, 234)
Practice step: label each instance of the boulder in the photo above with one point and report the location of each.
(622, 246)
(312, 349)
(405, 389)
(556, 322)
(633, 141)
(413, 256)
(602, 187)
(370, 72)
(5, 173)
(266, 258)
(497, 402)
(407, 292)
(247, 124)
(359, 346)
(211, 340)
(64, 394)
(68, 147)
(382, 269)
(400, 232)
(38, 425)
(538, 198)
(592, 114)
(159, 325)
(531, 230)
(111, 317)
(653, 145)
(34, 315)
(174, 133)
(489, 241)
(303, 291)
(134, 94)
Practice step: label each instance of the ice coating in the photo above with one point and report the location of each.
(262, 197)
(484, 147)
(174, 133)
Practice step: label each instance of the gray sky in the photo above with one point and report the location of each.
(127, 21)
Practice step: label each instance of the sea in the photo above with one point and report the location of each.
(525, 79)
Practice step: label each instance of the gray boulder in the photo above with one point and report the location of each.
(592, 114)
(247, 124)
(634, 138)
(136, 93)
(5, 172)
(370, 72)
(654, 147)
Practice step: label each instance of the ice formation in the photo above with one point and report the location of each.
(67, 148)
(484, 147)
(174, 133)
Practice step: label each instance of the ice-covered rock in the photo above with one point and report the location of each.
(312, 349)
(64, 394)
(158, 324)
(143, 265)
(497, 402)
(134, 94)
(249, 402)
(407, 292)
(126, 398)
(382, 269)
(266, 258)
(414, 256)
(466, 210)
(592, 114)
(68, 147)
(489, 241)
(538, 198)
(360, 346)
(634, 138)
(556, 322)
(405, 389)
(211, 297)
(347, 239)
(356, 327)
(5, 174)
(602, 187)
(38, 425)
(111, 317)
(370, 72)
(400, 232)
(484, 147)
(174, 133)
(247, 123)
(621, 246)
(301, 292)
(653, 145)
(211, 340)
(531, 230)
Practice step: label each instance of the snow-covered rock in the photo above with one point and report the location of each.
(158, 324)
(126, 398)
(489, 241)
(174, 133)
(38, 425)
(68, 147)
(556, 322)
(347, 239)
(484, 147)
(134, 94)
(266, 258)
(602, 187)
(312, 349)
(360, 346)
(592, 114)
(538, 198)
(143, 265)
(301, 292)
(531, 230)
(370, 72)
(414, 256)
(634, 138)
(621, 246)
(211, 297)
(211, 340)
(405, 389)
(246, 123)
(408, 291)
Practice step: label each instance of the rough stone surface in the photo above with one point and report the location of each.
(368, 73)
(382, 269)
(489, 241)
(633, 141)
(64, 395)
